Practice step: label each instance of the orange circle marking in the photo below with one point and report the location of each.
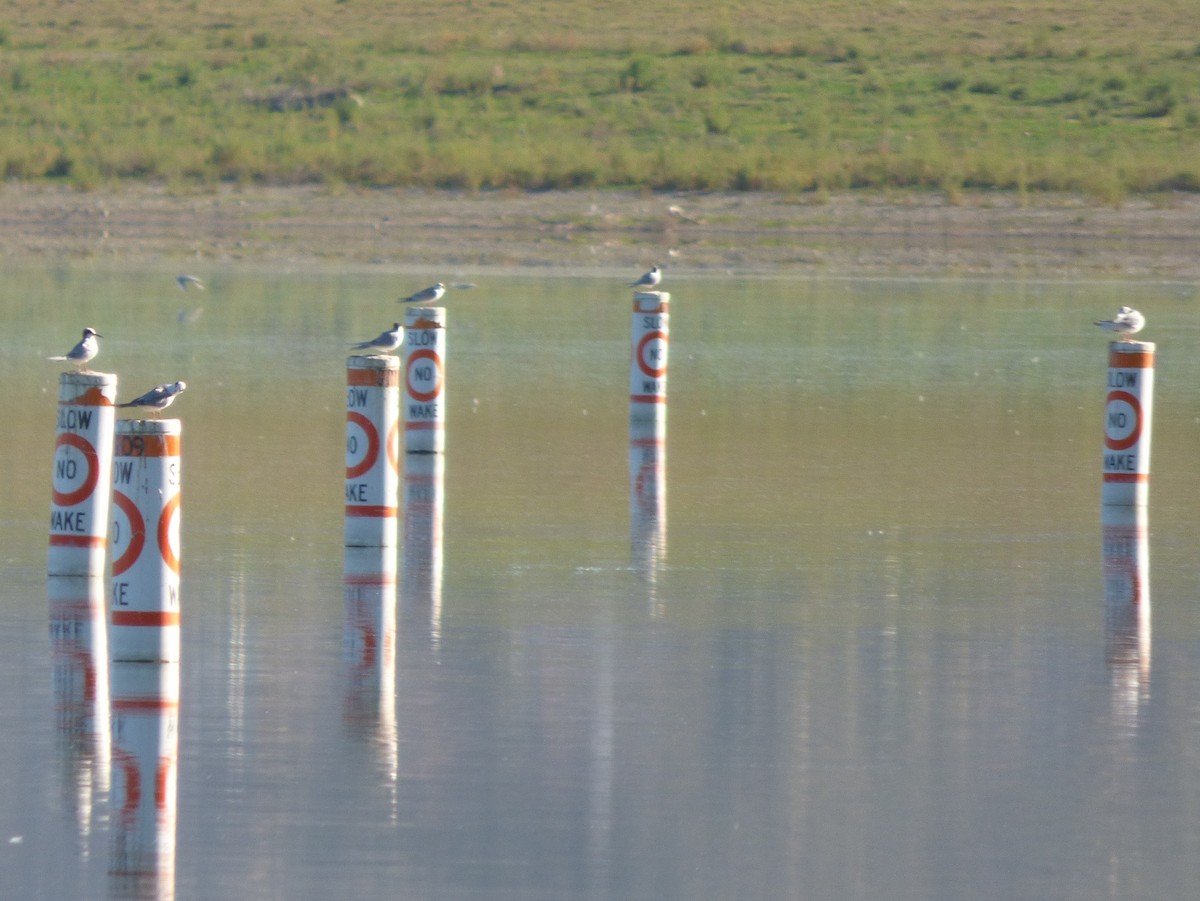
(137, 533)
(84, 491)
(393, 446)
(424, 354)
(1119, 444)
(372, 454)
(641, 354)
(164, 532)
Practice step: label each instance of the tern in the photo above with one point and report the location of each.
(385, 343)
(157, 398)
(189, 281)
(1128, 321)
(83, 352)
(649, 280)
(429, 295)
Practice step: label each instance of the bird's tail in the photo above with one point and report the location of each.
(60, 359)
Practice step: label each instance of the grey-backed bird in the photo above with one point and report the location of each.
(157, 398)
(649, 280)
(431, 294)
(83, 352)
(1128, 321)
(385, 343)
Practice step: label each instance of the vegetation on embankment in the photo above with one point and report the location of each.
(1098, 97)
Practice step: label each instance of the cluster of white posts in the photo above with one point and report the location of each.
(116, 496)
(116, 493)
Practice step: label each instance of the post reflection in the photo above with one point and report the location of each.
(424, 499)
(369, 651)
(648, 502)
(145, 754)
(78, 643)
(1126, 541)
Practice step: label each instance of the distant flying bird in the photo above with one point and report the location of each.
(385, 343)
(189, 281)
(157, 398)
(677, 211)
(83, 352)
(1128, 321)
(429, 295)
(649, 280)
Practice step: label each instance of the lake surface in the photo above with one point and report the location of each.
(871, 639)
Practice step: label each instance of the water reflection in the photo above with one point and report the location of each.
(145, 753)
(369, 651)
(1126, 542)
(424, 499)
(648, 503)
(80, 664)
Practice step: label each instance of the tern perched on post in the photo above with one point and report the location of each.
(649, 280)
(157, 398)
(1128, 321)
(385, 343)
(83, 352)
(430, 295)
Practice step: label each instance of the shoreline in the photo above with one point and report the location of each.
(1037, 236)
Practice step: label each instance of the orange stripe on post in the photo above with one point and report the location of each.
(647, 398)
(144, 705)
(76, 541)
(649, 307)
(151, 618)
(92, 397)
(1132, 477)
(370, 580)
(1123, 359)
(373, 378)
(147, 445)
(367, 510)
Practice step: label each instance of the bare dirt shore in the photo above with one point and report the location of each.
(869, 235)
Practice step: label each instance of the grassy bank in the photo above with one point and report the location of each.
(1100, 98)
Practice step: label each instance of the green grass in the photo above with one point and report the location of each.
(1098, 98)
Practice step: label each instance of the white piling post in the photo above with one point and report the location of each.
(79, 645)
(82, 473)
(648, 364)
(144, 607)
(424, 499)
(1128, 414)
(425, 380)
(145, 754)
(372, 451)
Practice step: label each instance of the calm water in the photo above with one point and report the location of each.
(869, 644)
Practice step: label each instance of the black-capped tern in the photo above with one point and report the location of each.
(83, 352)
(386, 342)
(430, 295)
